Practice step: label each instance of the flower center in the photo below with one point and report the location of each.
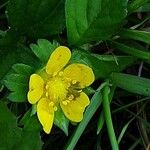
(60, 89)
(56, 89)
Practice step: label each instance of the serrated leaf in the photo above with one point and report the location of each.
(43, 49)
(93, 20)
(22, 69)
(30, 136)
(36, 18)
(131, 83)
(11, 55)
(18, 96)
(14, 86)
(9, 132)
(25, 118)
(17, 82)
(61, 121)
(18, 78)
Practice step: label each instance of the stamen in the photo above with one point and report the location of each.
(74, 81)
(55, 108)
(60, 73)
(68, 101)
(47, 87)
(79, 91)
(51, 104)
(46, 94)
(69, 84)
(71, 97)
(54, 74)
(64, 102)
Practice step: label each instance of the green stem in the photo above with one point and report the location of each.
(108, 118)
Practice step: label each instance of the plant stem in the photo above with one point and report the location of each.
(108, 118)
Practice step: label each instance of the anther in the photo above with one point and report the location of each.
(47, 87)
(74, 81)
(71, 97)
(79, 91)
(54, 74)
(60, 73)
(55, 108)
(51, 104)
(64, 102)
(46, 94)
(69, 84)
(68, 101)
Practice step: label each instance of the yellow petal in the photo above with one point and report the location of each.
(45, 114)
(58, 59)
(74, 110)
(81, 73)
(36, 85)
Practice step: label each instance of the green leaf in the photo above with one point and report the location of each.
(100, 122)
(9, 132)
(3, 1)
(143, 36)
(8, 58)
(123, 131)
(89, 90)
(10, 38)
(30, 136)
(94, 20)
(17, 82)
(43, 49)
(135, 4)
(61, 121)
(144, 8)
(22, 69)
(131, 83)
(11, 55)
(137, 52)
(25, 118)
(101, 66)
(36, 18)
(32, 124)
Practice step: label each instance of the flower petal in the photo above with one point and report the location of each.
(45, 114)
(74, 110)
(58, 59)
(36, 85)
(81, 73)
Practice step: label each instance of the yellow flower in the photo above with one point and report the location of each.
(58, 85)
